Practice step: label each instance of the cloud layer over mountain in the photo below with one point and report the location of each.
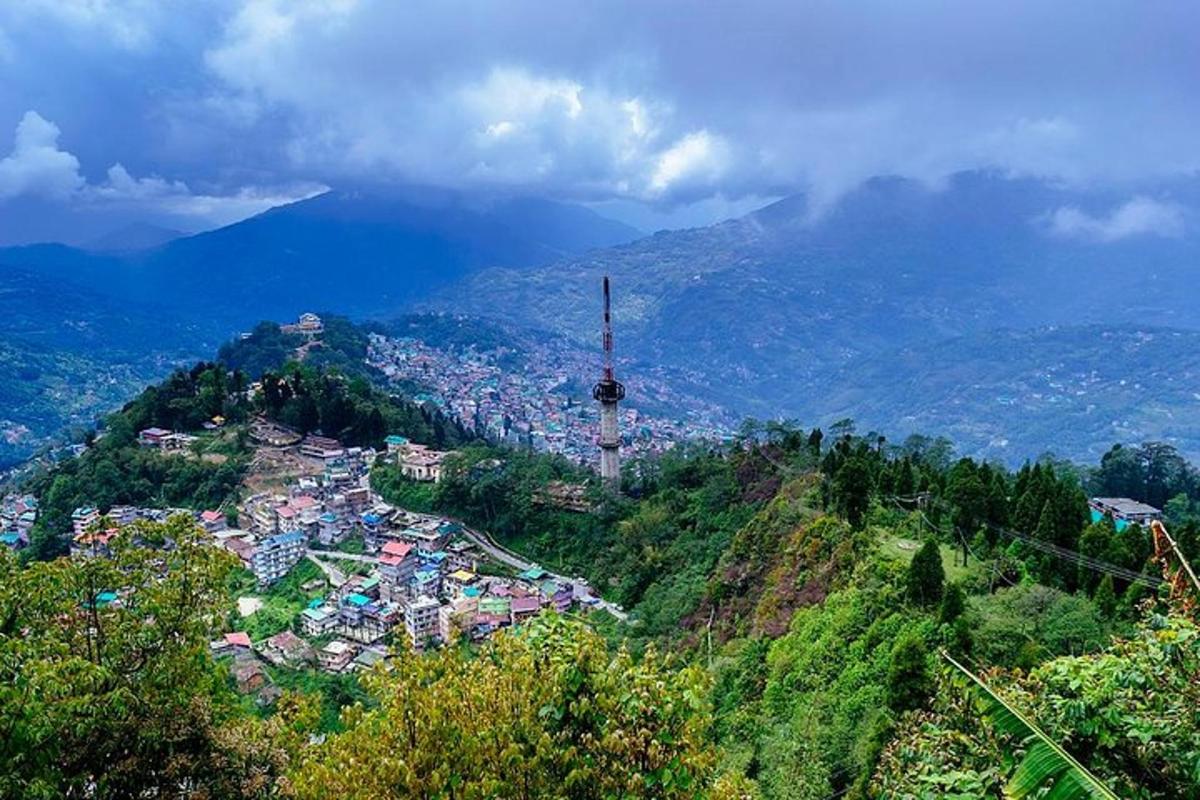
(712, 106)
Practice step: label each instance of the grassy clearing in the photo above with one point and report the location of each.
(899, 548)
(281, 603)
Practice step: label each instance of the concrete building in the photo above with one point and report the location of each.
(1124, 511)
(336, 655)
(82, 518)
(421, 620)
(275, 556)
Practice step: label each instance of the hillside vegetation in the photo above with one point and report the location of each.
(313, 395)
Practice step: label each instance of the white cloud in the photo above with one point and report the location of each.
(36, 166)
(176, 199)
(696, 155)
(1139, 216)
(128, 24)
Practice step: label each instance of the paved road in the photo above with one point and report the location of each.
(336, 576)
(343, 556)
(505, 556)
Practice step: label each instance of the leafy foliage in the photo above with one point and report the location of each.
(106, 687)
(543, 712)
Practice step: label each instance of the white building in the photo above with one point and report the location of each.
(275, 556)
(421, 620)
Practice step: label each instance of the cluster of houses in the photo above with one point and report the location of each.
(430, 603)
(535, 406)
(275, 530)
(93, 532)
(18, 513)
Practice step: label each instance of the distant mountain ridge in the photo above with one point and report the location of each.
(84, 329)
(363, 252)
(903, 306)
(133, 237)
(783, 313)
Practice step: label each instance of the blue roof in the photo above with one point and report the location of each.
(395, 439)
(534, 573)
(371, 519)
(316, 602)
(329, 516)
(472, 591)
(357, 599)
(10, 537)
(285, 538)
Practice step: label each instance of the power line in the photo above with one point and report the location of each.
(1085, 561)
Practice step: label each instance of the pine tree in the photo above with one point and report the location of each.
(852, 489)
(926, 577)
(908, 683)
(954, 602)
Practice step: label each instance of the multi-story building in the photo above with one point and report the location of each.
(318, 621)
(275, 556)
(82, 518)
(461, 555)
(421, 620)
(336, 655)
(375, 530)
(213, 521)
(321, 447)
(331, 529)
(397, 563)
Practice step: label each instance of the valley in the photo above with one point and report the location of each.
(771, 315)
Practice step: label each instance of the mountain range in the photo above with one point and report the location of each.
(1015, 315)
(881, 306)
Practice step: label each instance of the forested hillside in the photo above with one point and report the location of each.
(815, 593)
(329, 391)
(819, 595)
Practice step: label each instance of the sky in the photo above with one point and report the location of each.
(664, 114)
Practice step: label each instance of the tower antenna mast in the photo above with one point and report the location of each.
(609, 392)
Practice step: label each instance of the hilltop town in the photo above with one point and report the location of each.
(542, 402)
(386, 574)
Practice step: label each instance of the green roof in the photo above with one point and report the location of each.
(495, 605)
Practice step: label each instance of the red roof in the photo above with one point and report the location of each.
(210, 516)
(397, 549)
(302, 502)
(238, 639)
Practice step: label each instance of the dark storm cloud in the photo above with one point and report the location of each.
(663, 103)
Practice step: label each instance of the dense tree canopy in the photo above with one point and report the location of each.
(543, 712)
(106, 686)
